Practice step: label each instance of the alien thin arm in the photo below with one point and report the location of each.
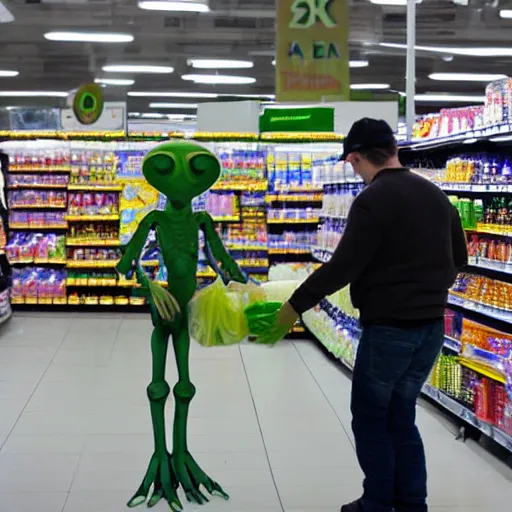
(134, 247)
(217, 252)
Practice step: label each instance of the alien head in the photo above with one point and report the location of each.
(181, 170)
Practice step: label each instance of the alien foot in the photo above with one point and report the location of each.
(161, 479)
(191, 477)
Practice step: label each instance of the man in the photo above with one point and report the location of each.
(400, 253)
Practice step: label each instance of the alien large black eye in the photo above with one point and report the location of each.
(203, 164)
(163, 164)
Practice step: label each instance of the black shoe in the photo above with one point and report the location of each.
(355, 506)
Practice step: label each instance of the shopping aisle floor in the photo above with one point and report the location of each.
(271, 425)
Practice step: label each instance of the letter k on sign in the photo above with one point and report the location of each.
(307, 13)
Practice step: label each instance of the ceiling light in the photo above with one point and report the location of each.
(220, 64)
(114, 81)
(250, 96)
(8, 73)
(173, 105)
(506, 14)
(153, 116)
(357, 87)
(448, 98)
(179, 5)
(137, 68)
(389, 2)
(219, 79)
(466, 77)
(501, 138)
(469, 51)
(149, 94)
(180, 117)
(134, 114)
(362, 63)
(33, 94)
(5, 15)
(89, 37)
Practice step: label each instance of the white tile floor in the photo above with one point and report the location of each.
(271, 425)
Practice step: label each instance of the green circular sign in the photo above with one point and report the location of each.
(88, 103)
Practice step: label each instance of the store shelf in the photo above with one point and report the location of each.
(234, 218)
(91, 264)
(5, 317)
(492, 230)
(480, 307)
(289, 251)
(96, 188)
(28, 170)
(37, 206)
(93, 218)
(292, 221)
(24, 186)
(452, 344)
(241, 247)
(331, 216)
(476, 189)
(257, 186)
(92, 243)
(32, 228)
(468, 416)
(292, 198)
(39, 262)
(475, 135)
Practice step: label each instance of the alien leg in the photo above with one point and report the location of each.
(160, 476)
(188, 472)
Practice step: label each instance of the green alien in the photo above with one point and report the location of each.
(180, 171)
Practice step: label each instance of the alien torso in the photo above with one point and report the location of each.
(178, 239)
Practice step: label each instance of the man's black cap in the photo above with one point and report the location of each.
(367, 134)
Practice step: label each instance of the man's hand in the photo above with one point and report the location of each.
(285, 320)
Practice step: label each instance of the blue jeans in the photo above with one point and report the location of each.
(392, 364)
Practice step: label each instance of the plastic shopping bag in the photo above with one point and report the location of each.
(216, 315)
(261, 315)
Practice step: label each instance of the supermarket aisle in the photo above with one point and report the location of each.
(272, 425)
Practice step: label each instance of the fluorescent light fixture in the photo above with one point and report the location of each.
(357, 87)
(171, 94)
(251, 96)
(219, 79)
(274, 62)
(153, 116)
(114, 81)
(137, 68)
(8, 73)
(470, 141)
(33, 94)
(469, 51)
(181, 117)
(220, 64)
(89, 37)
(5, 15)
(389, 2)
(448, 98)
(466, 77)
(361, 63)
(134, 114)
(506, 14)
(173, 105)
(178, 6)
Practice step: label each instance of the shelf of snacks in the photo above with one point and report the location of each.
(92, 264)
(71, 242)
(95, 188)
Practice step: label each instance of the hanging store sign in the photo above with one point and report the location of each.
(315, 119)
(312, 59)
